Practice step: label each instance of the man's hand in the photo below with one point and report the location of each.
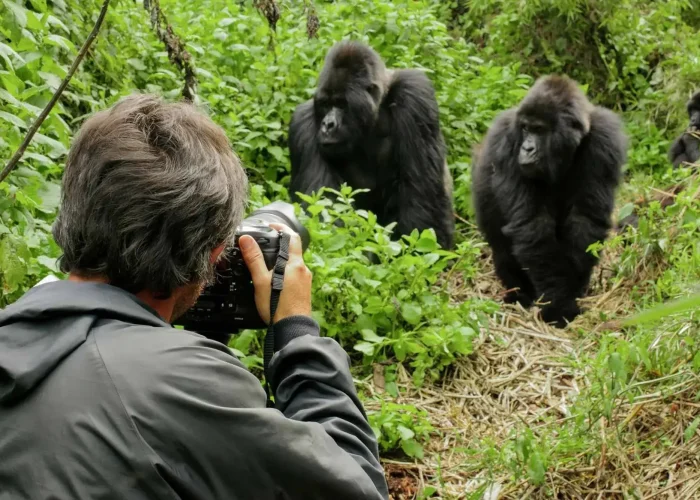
(295, 298)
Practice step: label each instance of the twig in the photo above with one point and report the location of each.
(312, 22)
(177, 53)
(37, 123)
(673, 485)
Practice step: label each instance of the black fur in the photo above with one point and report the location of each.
(539, 219)
(388, 140)
(686, 148)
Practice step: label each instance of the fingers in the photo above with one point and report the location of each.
(294, 241)
(254, 259)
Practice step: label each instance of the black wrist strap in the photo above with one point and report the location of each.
(277, 283)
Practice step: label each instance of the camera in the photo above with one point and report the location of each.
(228, 305)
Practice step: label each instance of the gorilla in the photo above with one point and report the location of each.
(686, 148)
(377, 129)
(543, 185)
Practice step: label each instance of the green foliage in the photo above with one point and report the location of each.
(400, 309)
(402, 427)
(624, 50)
(396, 308)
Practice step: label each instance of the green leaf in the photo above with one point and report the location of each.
(62, 42)
(336, 242)
(370, 336)
(8, 53)
(39, 5)
(426, 243)
(20, 13)
(690, 303)
(535, 468)
(12, 119)
(56, 148)
(691, 429)
(400, 350)
(617, 366)
(47, 262)
(411, 312)
(277, 152)
(625, 210)
(364, 347)
(431, 258)
(412, 448)
(405, 432)
(50, 194)
(136, 64)
(12, 268)
(392, 388)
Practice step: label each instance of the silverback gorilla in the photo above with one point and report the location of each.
(686, 148)
(375, 129)
(544, 186)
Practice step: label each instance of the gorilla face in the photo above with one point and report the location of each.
(548, 141)
(535, 142)
(347, 101)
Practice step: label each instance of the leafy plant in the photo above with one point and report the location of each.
(402, 427)
(395, 307)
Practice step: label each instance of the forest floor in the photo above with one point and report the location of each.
(527, 375)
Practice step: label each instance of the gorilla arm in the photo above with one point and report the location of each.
(598, 167)
(677, 154)
(420, 199)
(310, 171)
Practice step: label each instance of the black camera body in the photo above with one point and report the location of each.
(228, 305)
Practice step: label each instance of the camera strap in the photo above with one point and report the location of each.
(277, 283)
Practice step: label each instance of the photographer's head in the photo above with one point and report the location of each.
(152, 194)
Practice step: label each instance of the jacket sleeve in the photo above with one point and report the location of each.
(311, 381)
(204, 422)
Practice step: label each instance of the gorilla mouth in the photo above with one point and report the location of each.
(527, 160)
(330, 141)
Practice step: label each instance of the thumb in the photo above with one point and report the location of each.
(253, 258)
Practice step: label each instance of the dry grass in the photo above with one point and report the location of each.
(526, 374)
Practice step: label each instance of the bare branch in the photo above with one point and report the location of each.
(312, 22)
(177, 53)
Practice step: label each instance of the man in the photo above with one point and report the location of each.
(100, 398)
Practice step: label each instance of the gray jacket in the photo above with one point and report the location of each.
(102, 399)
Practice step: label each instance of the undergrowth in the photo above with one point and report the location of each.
(424, 327)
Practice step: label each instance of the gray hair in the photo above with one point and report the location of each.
(149, 190)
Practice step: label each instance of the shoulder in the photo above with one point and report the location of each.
(408, 80)
(500, 133)
(152, 365)
(605, 122)
(411, 87)
(504, 121)
(607, 137)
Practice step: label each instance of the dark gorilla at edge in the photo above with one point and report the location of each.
(375, 129)
(544, 187)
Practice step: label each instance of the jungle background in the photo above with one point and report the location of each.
(469, 398)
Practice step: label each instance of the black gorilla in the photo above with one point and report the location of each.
(375, 129)
(544, 186)
(686, 148)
